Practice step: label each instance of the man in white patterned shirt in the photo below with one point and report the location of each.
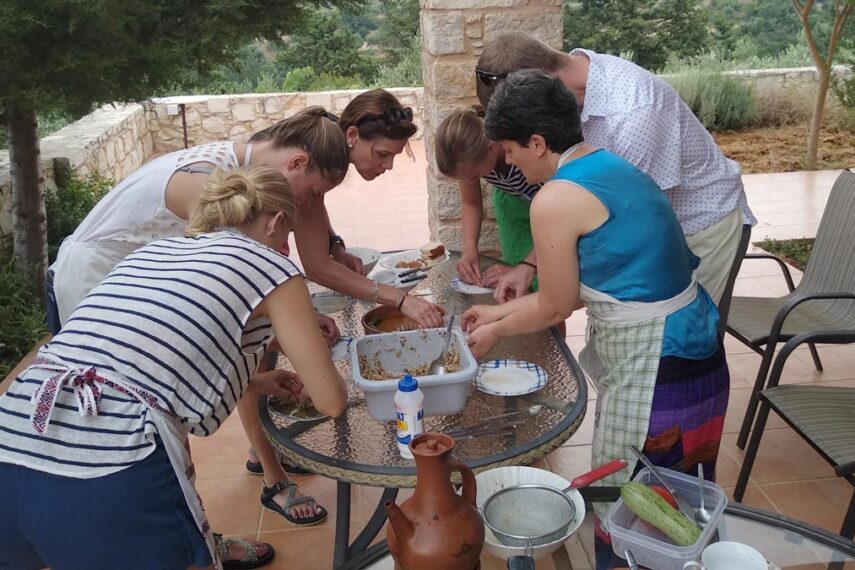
(637, 115)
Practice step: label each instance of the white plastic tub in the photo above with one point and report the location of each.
(444, 394)
(651, 548)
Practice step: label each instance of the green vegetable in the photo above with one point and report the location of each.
(652, 508)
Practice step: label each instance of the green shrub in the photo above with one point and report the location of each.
(407, 72)
(719, 101)
(67, 206)
(22, 316)
(794, 251)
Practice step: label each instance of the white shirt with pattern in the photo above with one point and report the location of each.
(637, 115)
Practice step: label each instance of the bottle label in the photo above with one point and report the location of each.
(408, 427)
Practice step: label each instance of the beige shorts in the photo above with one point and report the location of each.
(716, 246)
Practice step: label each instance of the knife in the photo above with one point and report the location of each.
(682, 504)
(410, 271)
(413, 278)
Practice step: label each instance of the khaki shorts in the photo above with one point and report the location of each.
(716, 246)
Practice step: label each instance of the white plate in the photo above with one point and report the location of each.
(328, 302)
(468, 289)
(392, 260)
(368, 256)
(292, 411)
(339, 350)
(504, 377)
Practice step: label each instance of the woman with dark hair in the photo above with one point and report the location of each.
(377, 128)
(607, 239)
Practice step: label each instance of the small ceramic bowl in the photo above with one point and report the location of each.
(368, 256)
(328, 302)
(384, 319)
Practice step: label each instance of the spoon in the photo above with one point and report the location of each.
(702, 516)
(630, 560)
(437, 367)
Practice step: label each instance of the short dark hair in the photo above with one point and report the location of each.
(531, 102)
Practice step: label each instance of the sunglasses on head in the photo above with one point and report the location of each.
(488, 78)
(390, 116)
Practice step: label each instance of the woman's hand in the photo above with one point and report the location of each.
(469, 269)
(494, 273)
(329, 330)
(352, 262)
(482, 339)
(279, 383)
(479, 315)
(427, 315)
(514, 283)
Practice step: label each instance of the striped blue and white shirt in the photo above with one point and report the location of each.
(514, 183)
(171, 320)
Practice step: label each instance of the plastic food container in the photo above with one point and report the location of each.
(444, 393)
(651, 548)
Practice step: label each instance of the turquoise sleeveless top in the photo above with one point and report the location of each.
(640, 253)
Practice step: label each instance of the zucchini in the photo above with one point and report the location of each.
(651, 508)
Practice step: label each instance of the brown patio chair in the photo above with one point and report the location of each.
(823, 301)
(823, 415)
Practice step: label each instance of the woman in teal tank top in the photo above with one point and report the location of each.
(607, 239)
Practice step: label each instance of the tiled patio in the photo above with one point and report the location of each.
(391, 213)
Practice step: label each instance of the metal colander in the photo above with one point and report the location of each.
(536, 514)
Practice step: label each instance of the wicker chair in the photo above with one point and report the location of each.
(823, 415)
(823, 301)
(727, 294)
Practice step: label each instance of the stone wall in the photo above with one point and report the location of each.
(236, 117)
(453, 36)
(112, 141)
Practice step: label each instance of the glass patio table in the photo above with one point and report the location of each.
(356, 448)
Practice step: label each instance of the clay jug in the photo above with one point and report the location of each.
(436, 528)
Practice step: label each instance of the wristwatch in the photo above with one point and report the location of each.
(336, 239)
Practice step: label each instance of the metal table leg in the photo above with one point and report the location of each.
(342, 524)
(372, 528)
(344, 549)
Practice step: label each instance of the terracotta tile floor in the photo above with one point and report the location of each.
(391, 213)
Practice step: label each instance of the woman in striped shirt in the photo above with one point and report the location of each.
(464, 152)
(93, 435)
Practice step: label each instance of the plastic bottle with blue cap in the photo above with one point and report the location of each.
(409, 413)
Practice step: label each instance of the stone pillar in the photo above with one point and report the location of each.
(453, 36)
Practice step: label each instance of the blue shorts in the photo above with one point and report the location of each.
(136, 519)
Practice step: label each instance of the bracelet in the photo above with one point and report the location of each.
(401, 302)
(375, 292)
(336, 239)
(532, 265)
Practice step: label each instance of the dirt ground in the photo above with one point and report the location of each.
(782, 149)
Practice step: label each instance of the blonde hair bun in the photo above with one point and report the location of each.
(236, 197)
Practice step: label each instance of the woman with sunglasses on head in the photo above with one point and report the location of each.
(94, 451)
(376, 128)
(464, 152)
(607, 239)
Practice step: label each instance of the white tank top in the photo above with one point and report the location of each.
(131, 215)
